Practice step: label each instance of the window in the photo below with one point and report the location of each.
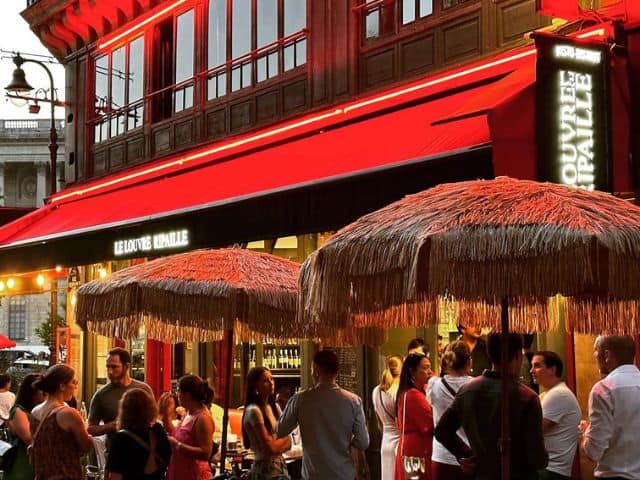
(379, 16)
(414, 9)
(119, 83)
(267, 38)
(184, 61)
(17, 318)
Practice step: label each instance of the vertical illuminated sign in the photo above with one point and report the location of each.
(573, 112)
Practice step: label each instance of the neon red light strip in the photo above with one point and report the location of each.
(138, 26)
(438, 81)
(292, 126)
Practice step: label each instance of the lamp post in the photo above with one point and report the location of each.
(17, 87)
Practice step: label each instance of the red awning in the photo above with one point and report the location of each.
(397, 135)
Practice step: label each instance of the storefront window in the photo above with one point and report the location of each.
(184, 60)
(217, 52)
(414, 9)
(119, 84)
(266, 39)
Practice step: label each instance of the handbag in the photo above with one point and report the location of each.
(414, 467)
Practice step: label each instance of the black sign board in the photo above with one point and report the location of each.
(351, 368)
(573, 112)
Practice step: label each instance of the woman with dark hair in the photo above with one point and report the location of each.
(140, 448)
(193, 437)
(258, 427)
(415, 420)
(456, 368)
(21, 425)
(60, 426)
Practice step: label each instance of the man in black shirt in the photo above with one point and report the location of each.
(477, 409)
(479, 356)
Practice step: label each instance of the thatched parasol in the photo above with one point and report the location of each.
(194, 296)
(501, 248)
(6, 342)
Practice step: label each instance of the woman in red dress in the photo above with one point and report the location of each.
(415, 419)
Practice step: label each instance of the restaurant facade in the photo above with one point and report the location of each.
(269, 124)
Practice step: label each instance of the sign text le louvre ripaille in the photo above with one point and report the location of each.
(156, 242)
(573, 112)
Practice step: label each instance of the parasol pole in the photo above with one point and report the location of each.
(228, 345)
(505, 433)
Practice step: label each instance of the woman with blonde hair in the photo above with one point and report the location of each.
(456, 368)
(384, 404)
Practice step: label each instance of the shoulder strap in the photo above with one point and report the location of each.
(448, 387)
(146, 446)
(404, 414)
(384, 407)
(49, 413)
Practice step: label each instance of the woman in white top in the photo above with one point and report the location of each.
(456, 366)
(258, 427)
(384, 404)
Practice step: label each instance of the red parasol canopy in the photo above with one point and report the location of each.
(6, 342)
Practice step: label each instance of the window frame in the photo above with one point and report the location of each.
(120, 115)
(17, 327)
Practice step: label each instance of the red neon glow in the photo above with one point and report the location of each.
(293, 126)
(134, 29)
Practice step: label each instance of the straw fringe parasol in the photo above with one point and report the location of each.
(194, 296)
(477, 242)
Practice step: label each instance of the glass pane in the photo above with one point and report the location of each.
(295, 16)
(301, 52)
(188, 97)
(136, 70)
(184, 46)
(289, 57)
(102, 84)
(217, 33)
(408, 11)
(372, 24)
(222, 84)
(235, 78)
(246, 75)
(426, 7)
(261, 69)
(117, 78)
(273, 64)
(135, 117)
(241, 29)
(179, 100)
(267, 28)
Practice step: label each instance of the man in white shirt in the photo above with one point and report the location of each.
(611, 435)
(561, 415)
(330, 419)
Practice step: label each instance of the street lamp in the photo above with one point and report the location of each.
(18, 86)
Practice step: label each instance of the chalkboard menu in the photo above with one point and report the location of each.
(351, 368)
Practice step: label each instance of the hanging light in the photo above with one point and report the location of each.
(40, 280)
(11, 283)
(1, 286)
(102, 272)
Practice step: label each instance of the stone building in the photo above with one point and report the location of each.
(24, 182)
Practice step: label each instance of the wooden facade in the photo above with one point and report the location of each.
(348, 48)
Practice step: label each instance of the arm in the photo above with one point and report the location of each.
(446, 432)
(204, 434)
(600, 430)
(534, 449)
(19, 426)
(70, 420)
(360, 432)
(288, 421)
(274, 445)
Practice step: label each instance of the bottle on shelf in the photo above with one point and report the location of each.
(252, 359)
(285, 360)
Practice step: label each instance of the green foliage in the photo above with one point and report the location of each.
(44, 330)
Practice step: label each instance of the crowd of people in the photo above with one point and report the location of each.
(452, 420)
(434, 427)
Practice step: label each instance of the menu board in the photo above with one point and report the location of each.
(351, 368)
